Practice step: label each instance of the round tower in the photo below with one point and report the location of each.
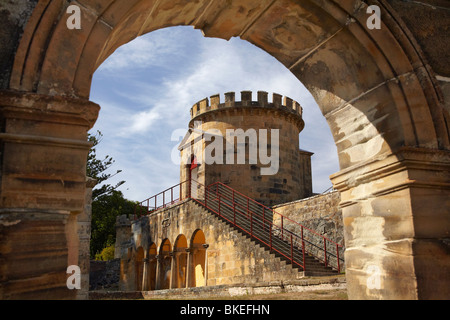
(251, 146)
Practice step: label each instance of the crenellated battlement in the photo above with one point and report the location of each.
(278, 102)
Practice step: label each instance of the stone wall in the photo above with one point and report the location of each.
(237, 132)
(104, 275)
(320, 213)
(377, 89)
(231, 258)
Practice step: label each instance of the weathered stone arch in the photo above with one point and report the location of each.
(324, 43)
(180, 262)
(152, 266)
(139, 267)
(164, 265)
(374, 87)
(197, 259)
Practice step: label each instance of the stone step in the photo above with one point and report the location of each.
(313, 266)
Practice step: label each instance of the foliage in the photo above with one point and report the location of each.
(105, 210)
(97, 168)
(107, 202)
(106, 254)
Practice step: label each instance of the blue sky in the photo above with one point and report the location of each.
(147, 87)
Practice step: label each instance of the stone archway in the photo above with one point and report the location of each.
(180, 261)
(374, 87)
(139, 268)
(152, 266)
(197, 260)
(164, 271)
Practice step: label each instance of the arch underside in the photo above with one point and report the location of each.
(369, 84)
(373, 86)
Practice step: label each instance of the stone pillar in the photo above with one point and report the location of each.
(176, 281)
(44, 148)
(188, 268)
(145, 275)
(396, 214)
(172, 269)
(123, 236)
(84, 236)
(158, 272)
(198, 256)
(206, 246)
(122, 251)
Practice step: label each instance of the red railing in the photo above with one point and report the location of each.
(279, 233)
(263, 218)
(163, 199)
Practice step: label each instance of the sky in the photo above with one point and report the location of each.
(147, 87)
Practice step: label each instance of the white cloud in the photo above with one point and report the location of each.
(143, 52)
(143, 121)
(167, 72)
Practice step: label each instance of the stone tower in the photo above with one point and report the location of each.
(251, 146)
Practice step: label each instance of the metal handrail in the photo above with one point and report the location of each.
(256, 222)
(252, 234)
(282, 216)
(292, 234)
(153, 203)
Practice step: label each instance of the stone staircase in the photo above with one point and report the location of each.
(254, 222)
(281, 270)
(281, 263)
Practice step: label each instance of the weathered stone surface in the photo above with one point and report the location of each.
(391, 236)
(230, 257)
(14, 15)
(104, 275)
(321, 214)
(382, 80)
(44, 147)
(286, 177)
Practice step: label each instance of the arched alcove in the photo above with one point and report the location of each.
(165, 265)
(153, 263)
(180, 262)
(139, 268)
(197, 260)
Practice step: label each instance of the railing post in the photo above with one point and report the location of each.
(337, 255)
(325, 251)
(206, 196)
(303, 249)
(303, 252)
(292, 251)
(264, 220)
(164, 200)
(190, 182)
(282, 228)
(234, 210)
(171, 195)
(301, 231)
(248, 207)
(270, 239)
(218, 197)
(251, 225)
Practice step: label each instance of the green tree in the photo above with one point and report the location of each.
(105, 209)
(96, 168)
(106, 254)
(107, 201)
